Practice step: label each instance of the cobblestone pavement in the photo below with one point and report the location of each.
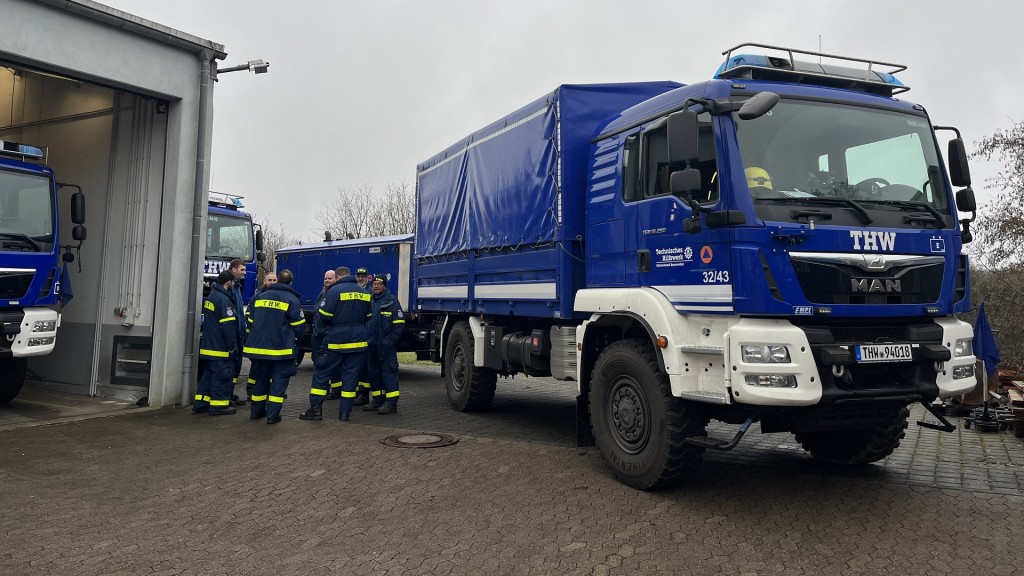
(168, 492)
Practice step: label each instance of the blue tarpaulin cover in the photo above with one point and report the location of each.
(522, 179)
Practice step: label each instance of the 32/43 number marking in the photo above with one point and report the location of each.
(716, 277)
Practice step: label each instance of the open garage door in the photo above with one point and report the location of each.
(111, 143)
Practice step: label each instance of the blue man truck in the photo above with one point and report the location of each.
(778, 245)
(32, 269)
(388, 256)
(231, 234)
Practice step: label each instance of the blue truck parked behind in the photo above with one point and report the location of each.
(32, 273)
(388, 256)
(779, 245)
(231, 234)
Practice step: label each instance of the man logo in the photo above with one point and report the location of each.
(876, 285)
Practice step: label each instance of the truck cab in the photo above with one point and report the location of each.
(230, 235)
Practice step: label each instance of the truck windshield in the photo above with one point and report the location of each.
(26, 212)
(812, 151)
(229, 237)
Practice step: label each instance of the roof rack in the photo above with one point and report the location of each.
(226, 200)
(850, 73)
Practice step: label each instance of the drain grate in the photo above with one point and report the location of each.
(420, 440)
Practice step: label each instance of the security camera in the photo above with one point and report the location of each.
(259, 66)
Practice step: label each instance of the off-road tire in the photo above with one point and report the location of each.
(639, 426)
(12, 377)
(470, 388)
(853, 447)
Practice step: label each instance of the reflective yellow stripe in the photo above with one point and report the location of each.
(268, 351)
(376, 393)
(256, 398)
(385, 313)
(252, 381)
(209, 305)
(216, 353)
(398, 321)
(325, 313)
(272, 304)
(277, 399)
(364, 385)
(355, 296)
(228, 319)
(299, 321)
(348, 346)
(317, 392)
(202, 398)
(335, 384)
(249, 318)
(234, 380)
(348, 394)
(392, 394)
(219, 402)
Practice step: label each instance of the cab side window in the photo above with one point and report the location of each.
(630, 163)
(657, 172)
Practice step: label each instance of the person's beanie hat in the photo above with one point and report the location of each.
(224, 277)
(381, 279)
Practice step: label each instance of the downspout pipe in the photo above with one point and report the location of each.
(189, 360)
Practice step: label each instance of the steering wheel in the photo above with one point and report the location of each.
(820, 181)
(226, 249)
(872, 185)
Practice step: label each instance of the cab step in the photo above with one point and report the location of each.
(717, 443)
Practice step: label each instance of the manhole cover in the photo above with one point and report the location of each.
(421, 440)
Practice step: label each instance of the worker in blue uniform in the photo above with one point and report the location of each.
(344, 311)
(383, 332)
(237, 268)
(363, 387)
(218, 348)
(276, 323)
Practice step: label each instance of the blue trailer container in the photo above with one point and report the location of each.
(388, 256)
(779, 244)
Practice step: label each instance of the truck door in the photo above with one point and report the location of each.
(691, 268)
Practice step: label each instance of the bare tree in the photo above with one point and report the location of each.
(362, 212)
(274, 238)
(1001, 224)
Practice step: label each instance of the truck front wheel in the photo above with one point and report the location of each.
(12, 377)
(638, 425)
(470, 388)
(856, 446)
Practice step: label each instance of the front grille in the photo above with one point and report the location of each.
(847, 279)
(862, 334)
(14, 285)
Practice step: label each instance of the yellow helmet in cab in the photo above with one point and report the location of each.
(758, 177)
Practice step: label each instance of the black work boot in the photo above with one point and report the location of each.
(314, 413)
(372, 406)
(344, 417)
(362, 398)
(388, 408)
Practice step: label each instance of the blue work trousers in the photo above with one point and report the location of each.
(272, 377)
(382, 363)
(332, 367)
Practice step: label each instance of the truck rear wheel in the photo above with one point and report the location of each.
(638, 425)
(470, 388)
(12, 377)
(856, 446)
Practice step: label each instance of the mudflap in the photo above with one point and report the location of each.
(584, 431)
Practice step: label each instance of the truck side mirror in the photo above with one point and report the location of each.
(959, 172)
(78, 208)
(758, 105)
(78, 233)
(682, 139)
(261, 257)
(685, 181)
(965, 200)
(259, 241)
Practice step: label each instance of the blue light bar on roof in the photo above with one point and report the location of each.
(8, 148)
(830, 70)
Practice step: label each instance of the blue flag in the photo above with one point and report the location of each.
(985, 342)
(65, 286)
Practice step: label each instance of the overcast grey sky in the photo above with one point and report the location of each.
(358, 93)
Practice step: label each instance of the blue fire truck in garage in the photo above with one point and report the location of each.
(34, 278)
(780, 244)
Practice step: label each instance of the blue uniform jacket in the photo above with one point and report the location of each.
(275, 320)
(344, 311)
(386, 321)
(220, 318)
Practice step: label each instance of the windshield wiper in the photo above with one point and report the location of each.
(846, 202)
(22, 238)
(932, 212)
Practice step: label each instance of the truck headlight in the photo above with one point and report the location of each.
(961, 372)
(764, 354)
(44, 325)
(40, 341)
(771, 380)
(963, 347)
